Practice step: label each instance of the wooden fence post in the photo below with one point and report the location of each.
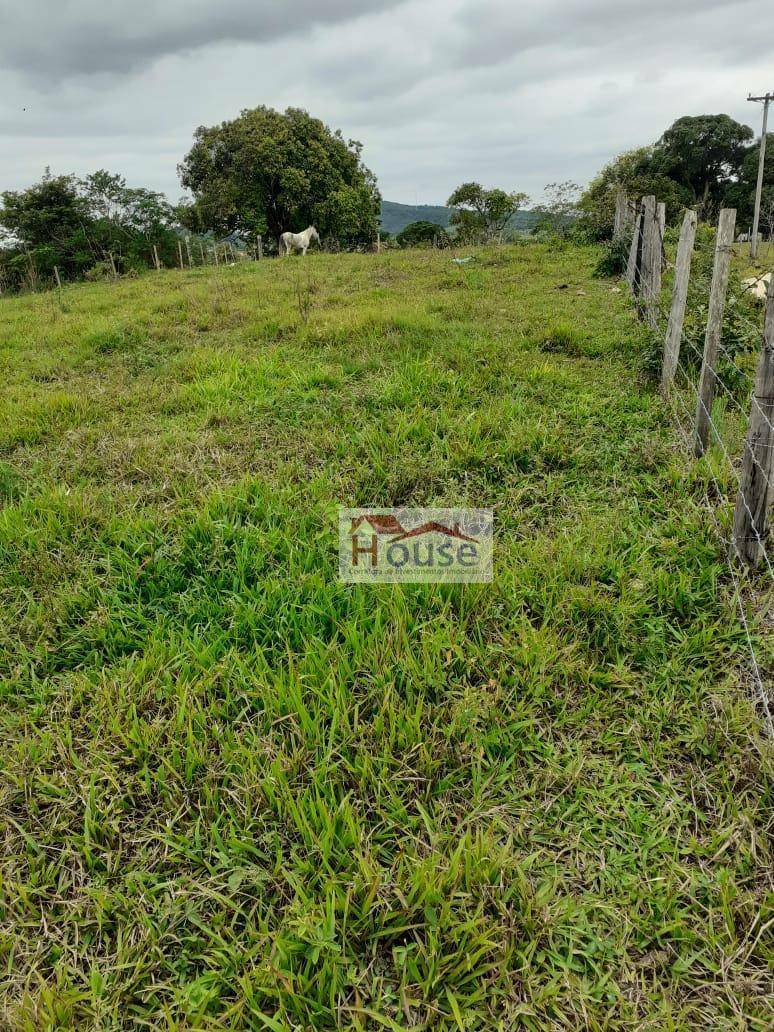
(679, 297)
(113, 266)
(717, 302)
(657, 257)
(215, 252)
(180, 251)
(188, 252)
(621, 210)
(56, 277)
(260, 247)
(755, 486)
(635, 255)
(156, 261)
(201, 252)
(661, 216)
(651, 259)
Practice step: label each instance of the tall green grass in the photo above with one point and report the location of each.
(236, 793)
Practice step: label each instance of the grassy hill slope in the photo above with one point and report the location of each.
(238, 793)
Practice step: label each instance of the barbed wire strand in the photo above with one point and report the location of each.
(719, 440)
(727, 546)
(731, 397)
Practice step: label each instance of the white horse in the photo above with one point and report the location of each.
(298, 241)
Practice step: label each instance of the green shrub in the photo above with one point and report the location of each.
(415, 234)
(614, 258)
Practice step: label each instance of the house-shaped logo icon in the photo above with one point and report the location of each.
(415, 545)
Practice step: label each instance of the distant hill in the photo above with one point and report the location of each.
(396, 217)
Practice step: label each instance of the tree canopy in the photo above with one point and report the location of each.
(635, 172)
(481, 214)
(268, 171)
(421, 232)
(741, 194)
(702, 161)
(703, 154)
(75, 224)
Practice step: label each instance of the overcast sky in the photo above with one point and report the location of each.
(514, 94)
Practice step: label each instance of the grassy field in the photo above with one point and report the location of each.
(236, 793)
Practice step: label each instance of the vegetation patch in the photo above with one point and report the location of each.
(564, 338)
(240, 793)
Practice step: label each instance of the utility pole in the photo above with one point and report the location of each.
(766, 99)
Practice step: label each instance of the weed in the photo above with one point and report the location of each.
(564, 338)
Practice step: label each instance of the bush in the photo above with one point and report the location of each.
(98, 272)
(614, 257)
(415, 234)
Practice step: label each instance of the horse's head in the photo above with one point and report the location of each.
(314, 235)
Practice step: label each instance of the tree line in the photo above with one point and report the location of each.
(268, 171)
(259, 174)
(81, 227)
(705, 162)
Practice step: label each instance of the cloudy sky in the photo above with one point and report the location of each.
(514, 94)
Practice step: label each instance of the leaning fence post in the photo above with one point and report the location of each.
(260, 247)
(717, 301)
(180, 252)
(635, 254)
(156, 261)
(679, 297)
(56, 277)
(755, 485)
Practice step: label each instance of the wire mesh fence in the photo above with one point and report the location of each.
(718, 382)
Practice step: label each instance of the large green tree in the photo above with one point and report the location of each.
(269, 171)
(481, 214)
(704, 154)
(701, 161)
(741, 194)
(47, 225)
(76, 224)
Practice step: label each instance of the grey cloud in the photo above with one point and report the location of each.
(498, 30)
(439, 91)
(83, 37)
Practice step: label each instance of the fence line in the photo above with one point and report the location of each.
(757, 676)
(746, 547)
